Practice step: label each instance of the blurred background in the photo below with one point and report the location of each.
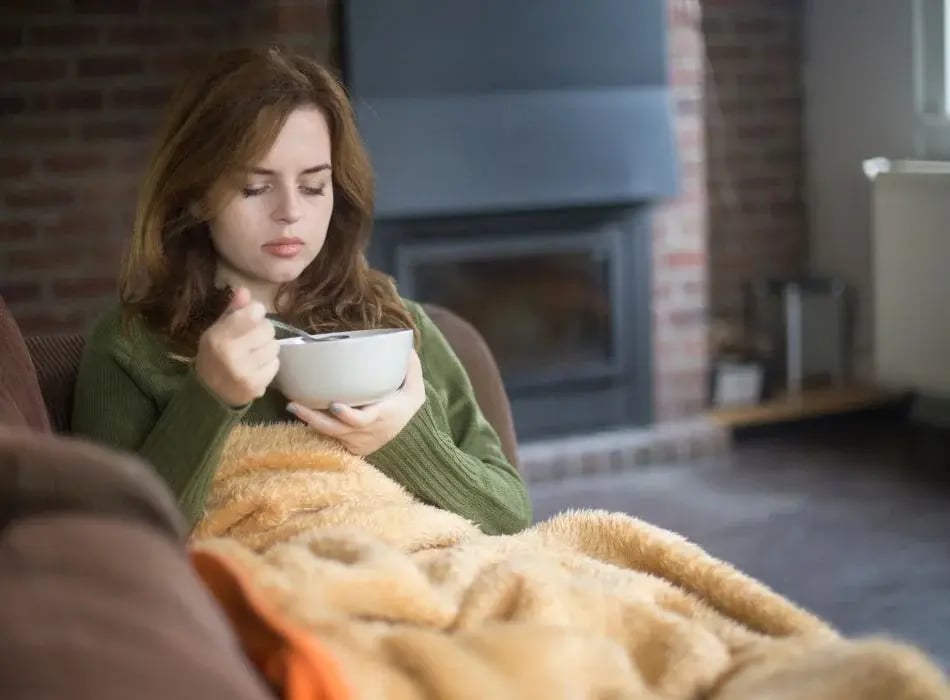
(709, 309)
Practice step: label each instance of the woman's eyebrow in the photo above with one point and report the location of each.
(305, 171)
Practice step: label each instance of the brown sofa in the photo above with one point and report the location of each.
(56, 359)
(97, 598)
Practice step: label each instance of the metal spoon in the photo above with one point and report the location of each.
(303, 334)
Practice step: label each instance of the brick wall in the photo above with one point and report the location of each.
(680, 286)
(754, 127)
(82, 88)
(82, 83)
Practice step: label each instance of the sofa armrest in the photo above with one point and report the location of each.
(98, 600)
(482, 369)
(41, 473)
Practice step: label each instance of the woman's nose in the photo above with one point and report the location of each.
(288, 209)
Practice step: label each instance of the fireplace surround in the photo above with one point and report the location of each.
(519, 149)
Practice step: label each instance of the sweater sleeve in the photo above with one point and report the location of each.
(448, 454)
(181, 439)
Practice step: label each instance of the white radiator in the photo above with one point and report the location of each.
(911, 273)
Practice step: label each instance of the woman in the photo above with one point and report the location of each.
(258, 201)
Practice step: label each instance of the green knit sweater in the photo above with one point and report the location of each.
(131, 395)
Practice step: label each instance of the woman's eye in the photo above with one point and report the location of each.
(313, 191)
(254, 190)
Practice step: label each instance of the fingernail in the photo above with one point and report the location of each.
(292, 407)
(258, 310)
(335, 408)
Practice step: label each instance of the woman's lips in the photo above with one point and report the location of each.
(284, 247)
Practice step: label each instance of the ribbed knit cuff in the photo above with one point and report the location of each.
(424, 459)
(403, 457)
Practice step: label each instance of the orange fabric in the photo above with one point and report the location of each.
(289, 657)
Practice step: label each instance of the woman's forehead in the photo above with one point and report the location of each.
(303, 142)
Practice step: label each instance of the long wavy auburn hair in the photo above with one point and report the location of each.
(222, 120)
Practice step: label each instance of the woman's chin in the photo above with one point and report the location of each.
(286, 271)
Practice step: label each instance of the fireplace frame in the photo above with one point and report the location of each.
(568, 399)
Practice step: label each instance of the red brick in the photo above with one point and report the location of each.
(788, 105)
(64, 35)
(32, 70)
(760, 25)
(104, 258)
(17, 230)
(142, 97)
(14, 292)
(119, 129)
(747, 205)
(684, 316)
(133, 159)
(687, 76)
(176, 63)
(113, 187)
(11, 36)
(685, 258)
(144, 34)
(36, 7)
(44, 258)
(733, 52)
(69, 100)
(15, 166)
(785, 209)
(205, 32)
(92, 257)
(305, 17)
(69, 163)
(109, 66)
(12, 104)
(683, 14)
(110, 7)
(32, 131)
(198, 7)
(759, 182)
(84, 288)
(83, 225)
(39, 197)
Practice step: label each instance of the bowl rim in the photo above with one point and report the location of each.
(345, 336)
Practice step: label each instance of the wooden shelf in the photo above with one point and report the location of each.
(810, 403)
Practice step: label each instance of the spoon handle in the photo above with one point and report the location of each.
(290, 329)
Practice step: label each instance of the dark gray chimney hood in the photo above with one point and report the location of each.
(481, 106)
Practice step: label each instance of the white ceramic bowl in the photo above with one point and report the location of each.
(354, 368)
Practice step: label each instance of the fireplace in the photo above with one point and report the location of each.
(518, 148)
(554, 297)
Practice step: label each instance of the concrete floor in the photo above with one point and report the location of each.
(830, 518)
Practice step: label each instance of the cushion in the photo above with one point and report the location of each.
(42, 473)
(21, 402)
(56, 359)
(97, 596)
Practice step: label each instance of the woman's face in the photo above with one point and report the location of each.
(275, 223)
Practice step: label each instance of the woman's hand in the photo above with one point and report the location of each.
(364, 430)
(237, 355)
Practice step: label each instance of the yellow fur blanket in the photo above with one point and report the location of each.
(416, 602)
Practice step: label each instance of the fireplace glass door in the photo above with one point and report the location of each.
(546, 305)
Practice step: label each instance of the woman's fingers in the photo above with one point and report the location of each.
(267, 370)
(319, 421)
(355, 417)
